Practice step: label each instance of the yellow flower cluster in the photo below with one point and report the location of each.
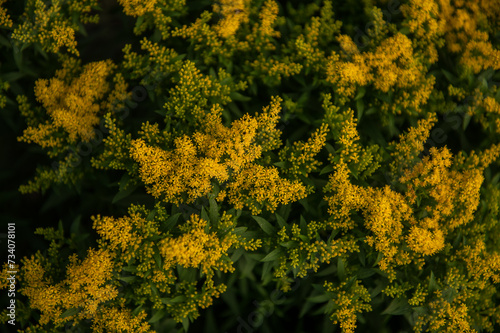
(86, 286)
(425, 241)
(456, 194)
(272, 70)
(137, 7)
(113, 319)
(5, 20)
(119, 233)
(205, 37)
(302, 255)
(256, 186)
(233, 13)
(193, 92)
(267, 16)
(360, 159)
(45, 176)
(197, 248)
(423, 20)
(463, 294)
(224, 154)
(466, 32)
(482, 266)
(385, 212)
(449, 308)
(309, 47)
(410, 145)
(419, 295)
(116, 147)
(190, 167)
(267, 135)
(348, 304)
(301, 156)
(485, 109)
(51, 27)
(72, 104)
(392, 65)
(453, 198)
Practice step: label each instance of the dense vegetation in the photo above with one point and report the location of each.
(251, 165)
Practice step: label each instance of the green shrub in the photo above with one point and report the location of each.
(260, 164)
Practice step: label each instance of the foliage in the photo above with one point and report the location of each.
(341, 155)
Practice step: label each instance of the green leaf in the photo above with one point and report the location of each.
(237, 254)
(326, 169)
(360, 106)
(330, 148)
(137, 310)
(157, 258)
(236, 96)
(405, 30)
(273, 255)
(303, 224)
(432, 283)
(122, 194)
(12, 76)
(213, 211)
(305, 308)
(176, 299)
(362, 257)
(266, 271)
(157, 316)
(379, 257)
(139, 22)
(467, 118)
(281, 221)
(171, 222)
(70, 312)
(397, 307)
(128, 279)
(360, 94)
(289, 244)
(185, 323)
(162, 112)
(266, 226)
(327, 271)
(364, 273)
(239, 230)
(131, 269)
(151, 215)
(18, 57)
(75, 226)
(340, 269)
(495, 179)
(204, 214)
(450, 77)
(281, 164)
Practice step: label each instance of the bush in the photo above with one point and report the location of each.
(251, 165)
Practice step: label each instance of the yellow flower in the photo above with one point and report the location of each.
(196, 247)
(137, 7)
(466, 32)
(54, 24)
(410, 145)
(4, 16)
(427, 242)
(256, 186)
(86, 286)
(71, 103)
(112, 319)
(267, 16)
(233, 13)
